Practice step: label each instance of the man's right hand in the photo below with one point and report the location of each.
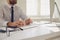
(16, 24)
(12, 24)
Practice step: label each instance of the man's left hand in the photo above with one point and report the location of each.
(28, 21)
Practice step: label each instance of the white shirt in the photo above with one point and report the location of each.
(5, 14)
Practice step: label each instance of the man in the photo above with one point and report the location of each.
(20, 19)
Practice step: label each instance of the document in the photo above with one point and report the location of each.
(32, 25)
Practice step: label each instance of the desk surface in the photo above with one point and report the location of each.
(32, 32)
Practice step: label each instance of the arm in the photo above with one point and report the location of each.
(2, 20)
(25, 18)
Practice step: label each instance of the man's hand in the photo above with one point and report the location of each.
(28, 21)
(16, 24)
(20, 23)
(12, 24)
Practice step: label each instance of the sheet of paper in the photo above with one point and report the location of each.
(32, 25)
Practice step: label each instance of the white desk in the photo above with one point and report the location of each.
(32, 32)
(52, 36)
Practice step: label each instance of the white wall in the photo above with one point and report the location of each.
(51, 7)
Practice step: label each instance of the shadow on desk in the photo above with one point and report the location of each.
(4, 31)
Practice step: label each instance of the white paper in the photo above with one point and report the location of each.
(32, 25)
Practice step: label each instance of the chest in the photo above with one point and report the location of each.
(7, 13)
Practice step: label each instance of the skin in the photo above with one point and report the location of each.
(18, 23)
(12, 2)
